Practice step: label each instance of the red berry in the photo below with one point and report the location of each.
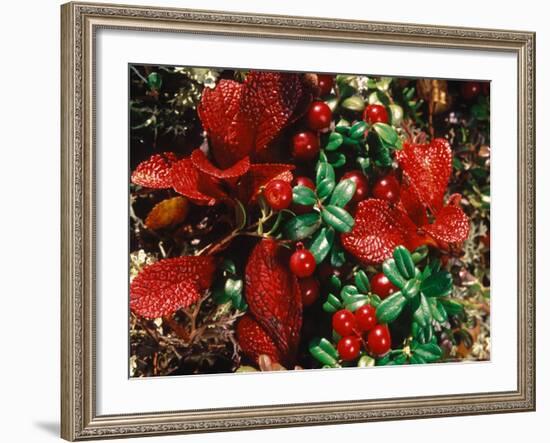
(325, 83)
(470, 90)
(361, 185)
(343, 322)
(326, 271)
(304, 181)
(309, 288)
(278, 194)
(381, 286)
(387, 188)
(305, 146)
(319, 116)
(365, 316)
(379, 340)
(375, 114)
(302, 262)
(349, 348)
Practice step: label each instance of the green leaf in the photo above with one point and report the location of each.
(354, 103)
(302, 195)
(338, 218)
(353, 306)
(336, 159)
(417, 360)
(154, 81)
(229, 266)
(380, 152)
(302, 226)
(429, 352)
(219, 294)
(325, 188)
(233, 287)
(401, 359)
(391, 307)
(404, 262)
(342, 127)
(357, 131)
(397, 114)
(322, 356)
(411, 288)
(321, 244)
(452, 307)
(335, 140)
(388, 135)
(384, 83)
(389, 268)
(439, 284)
(348, 290)
(375, 300)
(422, 315)
(335, 282)
(337, 255)
(361, 281)
(364, 163)
(437, 310)
(420, 254)
(327, 346)
(366, 361)
(343, 193)
(331, 309)
(324, 170)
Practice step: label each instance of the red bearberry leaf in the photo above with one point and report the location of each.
(269, 103)
(244, 117)
(201, 162)
(254, 341)
(155, 172)
(260, 175)
(273, 296)
(451, 225)
(427, 168)
(231, 138)
(410, 202)
(191, 183)
(164, 287)
(379, 227)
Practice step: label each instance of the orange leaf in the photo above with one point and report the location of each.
(167, 213)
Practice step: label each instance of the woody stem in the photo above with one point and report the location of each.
(215, 247)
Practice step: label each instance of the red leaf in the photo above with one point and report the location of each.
(410, 202)
(164, 287)
(260, 175)
(451, 225)
(230, 138)
(201, 162)
(269, 103)
(191, 183)
(427, 168)
(244, 117)
(254, 341)
(379, 228)
(274, 298)
(155, 172)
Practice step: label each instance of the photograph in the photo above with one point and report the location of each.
(283, 220)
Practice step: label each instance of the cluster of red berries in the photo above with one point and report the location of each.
(386, 188)
(305, 144)
(360, 329)
(278, 193)
(302, 264)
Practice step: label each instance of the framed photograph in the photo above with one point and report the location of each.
(283, 221)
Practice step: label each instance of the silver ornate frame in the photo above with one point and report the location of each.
(80, 21)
